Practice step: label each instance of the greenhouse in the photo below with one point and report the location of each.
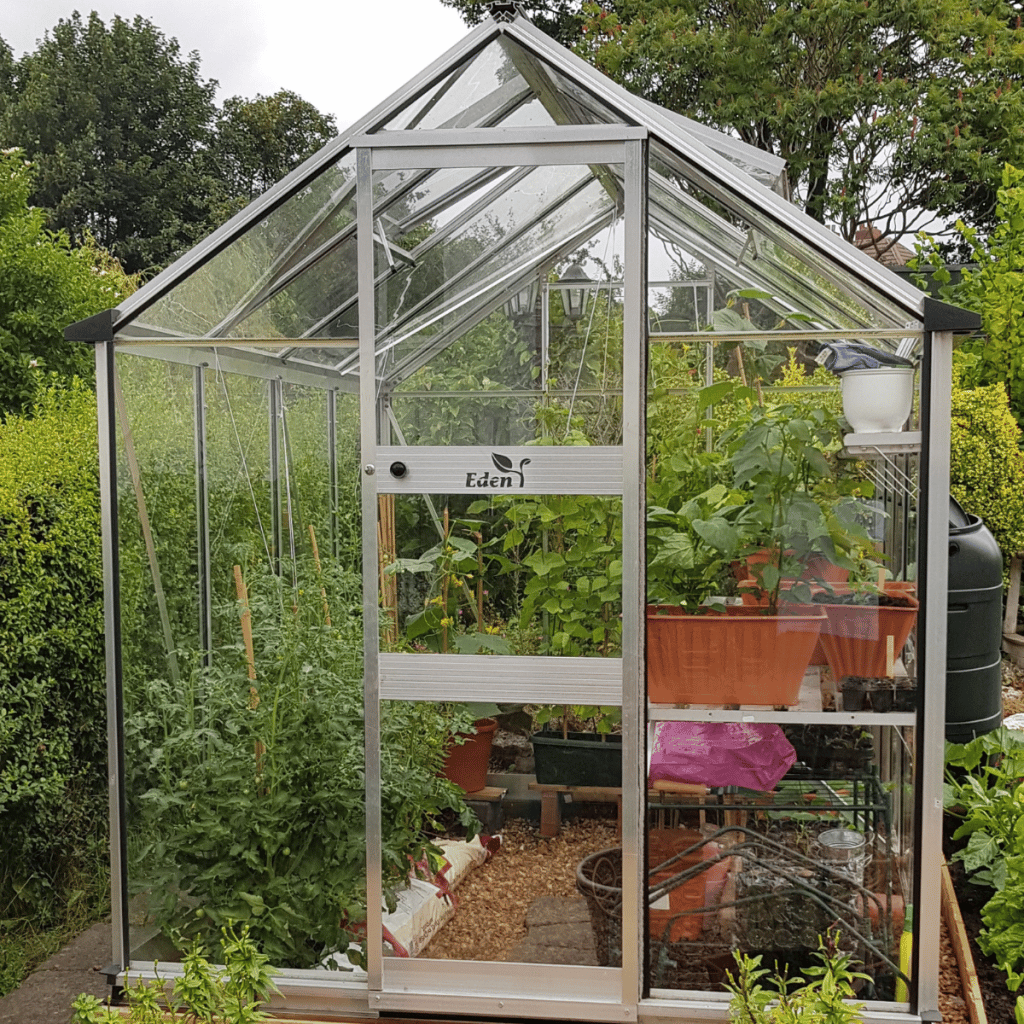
(527, 401)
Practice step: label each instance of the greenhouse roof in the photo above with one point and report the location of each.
(277, 285)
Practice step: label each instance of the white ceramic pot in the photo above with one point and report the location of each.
(878, 400)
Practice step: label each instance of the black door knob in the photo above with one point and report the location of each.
(398, 470)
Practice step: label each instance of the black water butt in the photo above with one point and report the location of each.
(974, 688)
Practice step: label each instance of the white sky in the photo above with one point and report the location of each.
(343, 56)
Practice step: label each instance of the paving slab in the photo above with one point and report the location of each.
(46, 995)
(558, 932)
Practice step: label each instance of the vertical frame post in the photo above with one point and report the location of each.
(933, 554)
(274, 455)
(107, 436)
(332, 467)
(368, 413)
(203, 518)
(634, 703)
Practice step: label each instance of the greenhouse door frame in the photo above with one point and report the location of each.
(480, 988)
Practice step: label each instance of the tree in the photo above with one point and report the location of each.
(260, 140)
(119, 125)
(886, 111)
(993, 287)
(46, 284)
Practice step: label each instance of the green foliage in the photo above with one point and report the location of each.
(984, 789)
(690, 547)
(799, 503)
(994, 290)
(249, 804)
(823, 995)
(880, 110)
(259, 141)
(46, 284)
(52, 738)
(203, 993)
(130, 148)
(118, 123)
(574, 564)
(986, 462)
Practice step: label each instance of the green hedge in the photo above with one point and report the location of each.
(52, 735)
(986, 463)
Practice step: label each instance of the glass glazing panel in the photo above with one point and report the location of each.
(528, 115)
(240, 277)
(855, 302)
(301, 307)
(763, 532)
(764, 838)
(480, 87)
(267, 723)
(565, 99)
(515, 575)
(548, 212)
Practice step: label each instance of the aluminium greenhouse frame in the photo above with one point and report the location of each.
(713, 163)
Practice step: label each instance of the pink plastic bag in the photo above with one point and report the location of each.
(751, 755)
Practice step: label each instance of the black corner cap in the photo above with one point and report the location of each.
(99, 327)
(503, 10)
(110, 972)
(941, 316)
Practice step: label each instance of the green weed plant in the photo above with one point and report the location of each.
(204, 992)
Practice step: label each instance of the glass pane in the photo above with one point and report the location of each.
(523, 575)
(764, 838)
(267, 723)
(237, 281)
(767, 544)
(469, 97)
(574, 104)
(787, 258)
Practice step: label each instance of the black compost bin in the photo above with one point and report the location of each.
(974, 689)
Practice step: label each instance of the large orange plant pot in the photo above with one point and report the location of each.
(855, 640)
(738, 656)
(466, 763)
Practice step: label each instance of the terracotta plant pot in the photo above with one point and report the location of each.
(466, 763)
(856, 637)
(733, 657)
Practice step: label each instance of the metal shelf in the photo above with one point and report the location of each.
(880, 445)
(669, 713)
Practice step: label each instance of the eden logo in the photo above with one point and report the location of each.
(505, 477)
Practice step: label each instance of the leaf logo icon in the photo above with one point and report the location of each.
(501, 462)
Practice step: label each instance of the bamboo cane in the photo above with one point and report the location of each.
(250, 657)
(387, 548)
(319, 572)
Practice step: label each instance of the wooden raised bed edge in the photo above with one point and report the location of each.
(962, 950)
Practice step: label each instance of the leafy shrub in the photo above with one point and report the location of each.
(984, 789)
(247, 795)
(986, 463)
(52, 735)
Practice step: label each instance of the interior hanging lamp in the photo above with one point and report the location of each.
(574, 299)
(521, 303)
